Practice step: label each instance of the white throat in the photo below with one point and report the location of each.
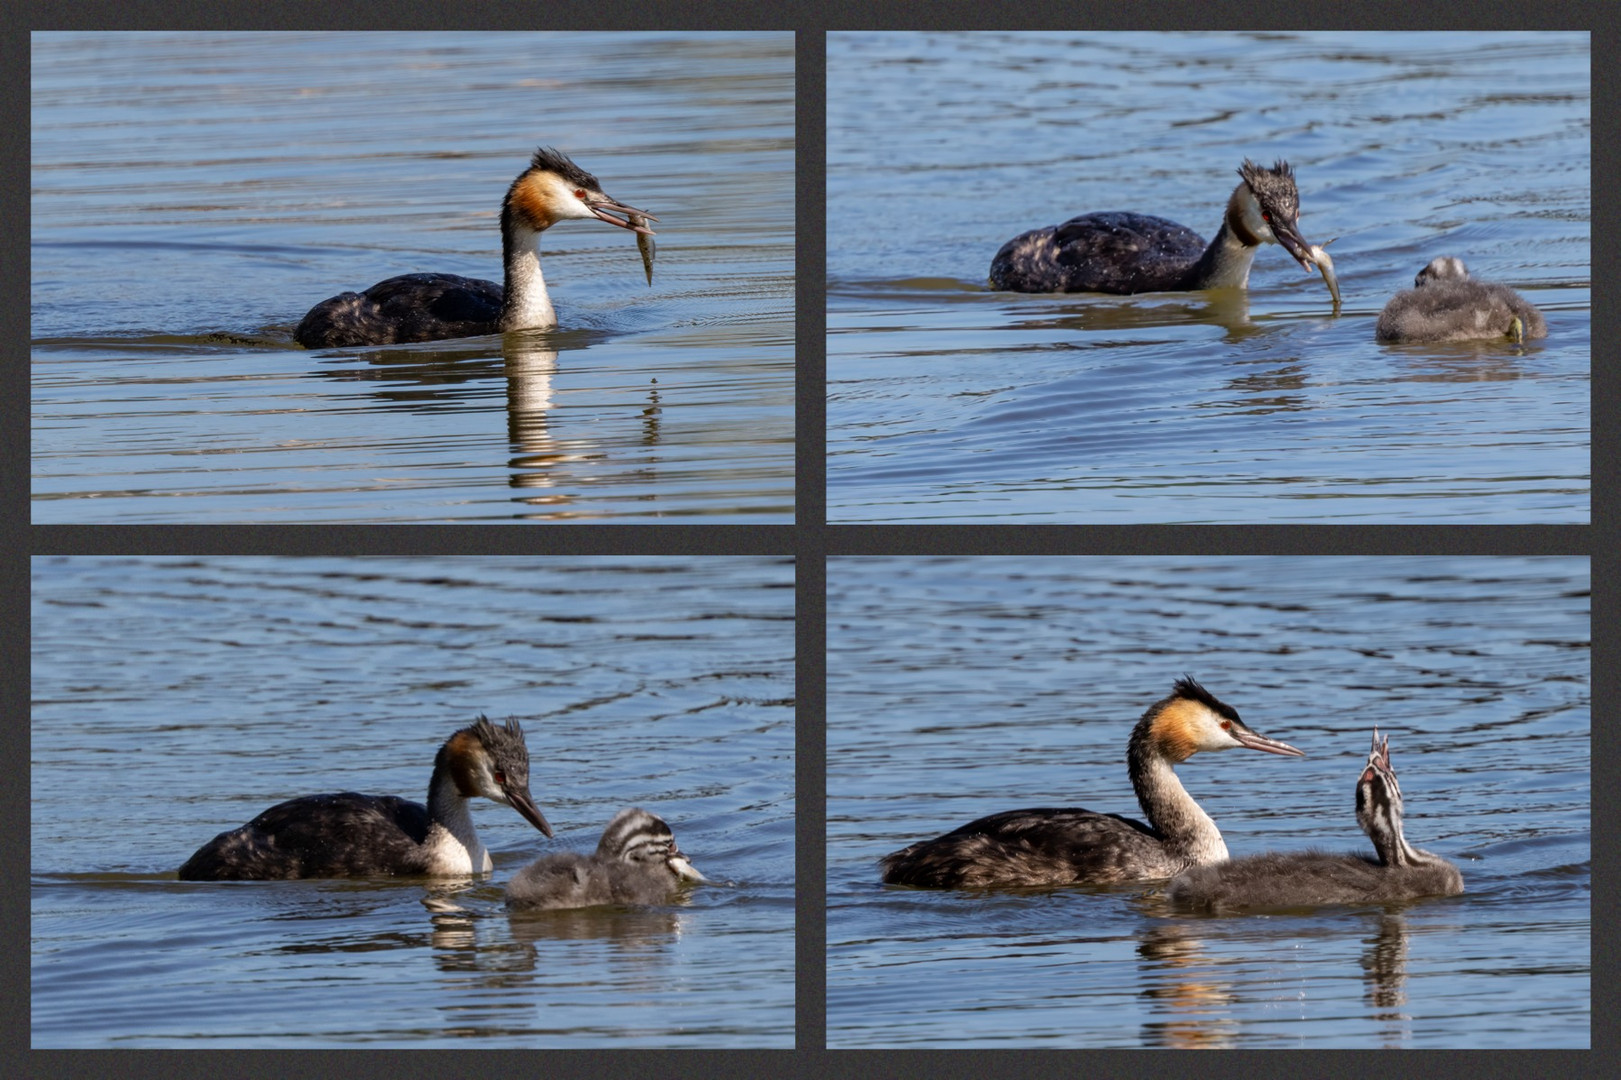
(1187, 829)
(525, 305)
(1233, 260)
(1233, 256)
(452, 842)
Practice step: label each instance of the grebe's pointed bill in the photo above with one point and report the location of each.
(520, 800)
(605, 209)
(1250, 740)
(1295, 244)
(1378, 756)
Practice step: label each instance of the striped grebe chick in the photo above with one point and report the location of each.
(1396, 870)
(351, 835)
(430, 307)
(1081, 847)
(1446, 304)
(636, 862)
(1122, 252)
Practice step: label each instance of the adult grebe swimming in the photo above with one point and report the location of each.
(1075, 847)
(636, 862)
(1446, 304)
(350, 835)
(1120, 252)
(428, 307)
(1397, 871)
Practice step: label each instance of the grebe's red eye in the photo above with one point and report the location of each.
(579, 193)
(500, 777)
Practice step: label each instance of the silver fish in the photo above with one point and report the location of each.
(644, 243)
(1326, 266)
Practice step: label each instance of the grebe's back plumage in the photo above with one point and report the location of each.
(353, 835)
(1446, 304)
(1067, 846)
(1121, 252)
(636, 862)
(1396, 870)
(431, 307)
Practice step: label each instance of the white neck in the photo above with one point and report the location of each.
(1226, 262)
(1187, 829)
(1230, 267)
(452, 841)
(525, 305)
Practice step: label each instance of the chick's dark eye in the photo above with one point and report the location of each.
(500, 777)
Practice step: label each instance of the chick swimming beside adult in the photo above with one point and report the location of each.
(1396, 870)
(1446, 304)
(636, 862)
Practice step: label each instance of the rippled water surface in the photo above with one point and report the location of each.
(176, 698)
(961, 687)
(949, 402)
(194, 194)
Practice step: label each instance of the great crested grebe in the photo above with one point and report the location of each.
(1078, 847)
(429, 307)
(1397, 871)
(1121, 252)
(1446, 304)
(636, 862)
(350, 835)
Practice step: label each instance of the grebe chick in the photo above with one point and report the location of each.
(1446, 304)
(636, 862)
(429, 307)
(1080, 847)
(1119, 252)
(350, 835)
(1397, 871)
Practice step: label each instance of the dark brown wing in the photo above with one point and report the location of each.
(411, 307)
(1042, 846)
(316, 836)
